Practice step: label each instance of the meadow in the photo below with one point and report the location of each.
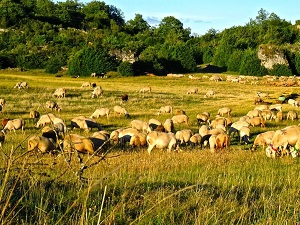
(194, 186)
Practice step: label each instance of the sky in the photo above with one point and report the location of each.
(200, 15)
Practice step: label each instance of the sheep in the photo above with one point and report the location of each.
(202, 118)
(219, 120)
(97, 92)
(180, 112)
(253, 113)
(40, 144)
(209, 93)
(292, 115)
(145, 89)
(212, 143)
(86, 84)
(263, 139)
(52, 105)
(161, 140)
(45, 119)
(192, 91)
(119, 110)
(256, 121)
(203, 130)
(2, 138)
(183, 136)
(125, 135)
(14, 125)
(222, 141)
(78, 143)
(258, 100)
(84, 123)
(178, 119)
(2, 102)
(59, 93)
(4, 122)
(22, 84)
(279, 116)
(101, 75)
(169, 125)
(261, 107)
(262, 94)
(34, 114)
(224, 110)
(153, 124)
(276, 107)
(245, 135)
(139, 125)
(165, 109)
(124, 98)
(100, 112)
(267, 114)
(196, 140)
(138, 140)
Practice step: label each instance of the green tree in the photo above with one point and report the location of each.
(125, 69)
(280, 70)
(11, 13)
(250, 64)
(234, 62)
(137, 25)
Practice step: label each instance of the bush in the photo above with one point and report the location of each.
(53, 65)
(32, 61)
(208, 56)
(125, 69)
(91, 60)
(280, 70)
(250, 64)
(234, 62)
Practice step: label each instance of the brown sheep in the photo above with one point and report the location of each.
(224, 110)
(222, 141)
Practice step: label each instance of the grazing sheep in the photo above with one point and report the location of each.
(145, 89)
(41, 144)
(34, 114)
(165, 109)
(222, 141)
(59, 93)
(124, 98)
(212, 142)
(263, 139)
(161, 140)
(279, 116)
(180, 112)
(284, 137)
(262, 94)
(4, 122)
(196, 140)
(276, 107)
(2, 138)
(14, 125)
(100, 112)
(119, 110)
(203, 118)
(219, 121)
(192, 91)
(169, 125)
(45, 119)
(86, 84)
(261, 107)
(21, 85)
(2, 102)
(52, 105)
(253, 113)
(97, 92)
(292, 115)
(138, 140)
(183, 136)
(267, 114)
(84, 123)
(258, 100)
(178, 119)
(256, 121)
(75, 142)
(224, 110)
(203, 130)
(209, 93)
(101, 75)
(139, 125)
(125, 136)
(245, 135)
(153, 124)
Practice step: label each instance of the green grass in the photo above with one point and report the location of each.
(235, 186)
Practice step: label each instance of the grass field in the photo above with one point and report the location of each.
(235, 186)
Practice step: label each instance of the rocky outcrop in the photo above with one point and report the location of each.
(124, 56)
(271, 55)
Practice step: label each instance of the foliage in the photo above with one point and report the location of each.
(125, 69)
(250, 64)
(280, 70)
(53, 65)
(234, 62)
(91, 60)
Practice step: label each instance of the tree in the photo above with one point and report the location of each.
(250, 64)
(11, 13)
(138, 24)
(125, 69)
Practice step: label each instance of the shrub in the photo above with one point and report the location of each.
(234, 62)
(250, 64)
(280, 70)
(125, 69)
(208, 56)
(53, 65)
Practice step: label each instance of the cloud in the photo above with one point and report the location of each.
(153, 20)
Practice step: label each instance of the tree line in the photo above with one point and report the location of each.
(94, 37)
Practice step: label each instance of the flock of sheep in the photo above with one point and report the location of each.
(215, 133)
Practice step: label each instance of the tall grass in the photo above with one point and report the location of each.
(235, 186)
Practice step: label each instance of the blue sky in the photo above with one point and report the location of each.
(201, 15)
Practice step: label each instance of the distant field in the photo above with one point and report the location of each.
(194, 186)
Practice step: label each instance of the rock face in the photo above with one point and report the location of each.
(271, 55)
